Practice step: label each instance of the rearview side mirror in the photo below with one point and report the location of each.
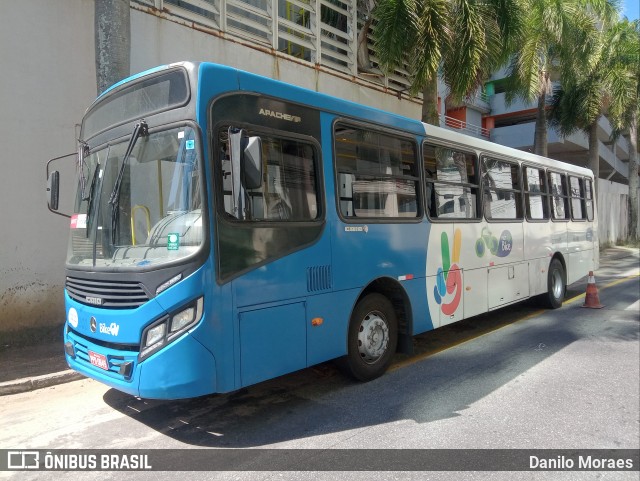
(246, 167)
(53, 186)
(252, 162)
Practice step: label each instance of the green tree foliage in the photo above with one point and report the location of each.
(588, 90)
(463, 40)
(558, 37)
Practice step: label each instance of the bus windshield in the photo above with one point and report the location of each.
(158, 215)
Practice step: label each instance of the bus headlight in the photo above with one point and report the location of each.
(155, 335)
(169, 328)
(186, 318)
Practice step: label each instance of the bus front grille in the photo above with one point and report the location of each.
(107, 294)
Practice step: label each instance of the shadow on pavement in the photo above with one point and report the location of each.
(435, 383)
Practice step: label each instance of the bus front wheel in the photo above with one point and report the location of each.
(556, 285)
(373, 335)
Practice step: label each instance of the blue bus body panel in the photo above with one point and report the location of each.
(217, 79)
(284, 315)
(273, 342)
(133, 77)
(183, 368)
(255, 83)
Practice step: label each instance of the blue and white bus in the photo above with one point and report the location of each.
(229, 228)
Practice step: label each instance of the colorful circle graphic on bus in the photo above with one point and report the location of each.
(500, 247)
(448, 289)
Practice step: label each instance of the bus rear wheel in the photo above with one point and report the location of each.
(556, 285)
(373, 336)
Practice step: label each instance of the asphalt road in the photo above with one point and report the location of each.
(520, 378)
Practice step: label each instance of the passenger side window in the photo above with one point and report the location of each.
(559, 199)
(588, 199)
(377, 174)
(288, 191)
(451, 183)
(535, 194)
(502, 194)
(578, 200)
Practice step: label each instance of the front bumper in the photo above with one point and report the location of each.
(182, 369)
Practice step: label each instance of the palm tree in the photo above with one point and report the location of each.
(556, 33)
(463, 39)
(586, 94)
(112, 42)
(625, 110)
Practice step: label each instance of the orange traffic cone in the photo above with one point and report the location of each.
(591, 299)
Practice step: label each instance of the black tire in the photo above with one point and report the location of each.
(372, 320)
(556, 285)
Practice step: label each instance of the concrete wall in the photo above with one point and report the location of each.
(47, 81)
(613, 212)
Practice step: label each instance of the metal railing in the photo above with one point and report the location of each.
(456, 124)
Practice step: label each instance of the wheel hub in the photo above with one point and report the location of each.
(373, 337)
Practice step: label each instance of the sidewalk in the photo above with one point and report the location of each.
(25, 368)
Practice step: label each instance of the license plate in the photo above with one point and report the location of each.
(98, 360)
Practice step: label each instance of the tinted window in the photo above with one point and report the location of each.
(578, 200)
(451, 183)
(559, 199)
(377, 174)
(588, 198)
(536, 194)
(502, 195)
(289, 189)
(139, 99)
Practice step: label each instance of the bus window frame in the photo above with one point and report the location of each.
(349, 122)
(286, 135)
(463, 149)
(546, 195)
(566, 196)
(582, 198)
(522, 206)
(590, 198)
(117, 91)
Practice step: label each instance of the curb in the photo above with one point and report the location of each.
(38, 382)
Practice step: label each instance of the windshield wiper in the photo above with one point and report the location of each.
(83, 151)
(140, 130)
(89, 198)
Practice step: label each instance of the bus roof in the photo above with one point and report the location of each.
(237, 79)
